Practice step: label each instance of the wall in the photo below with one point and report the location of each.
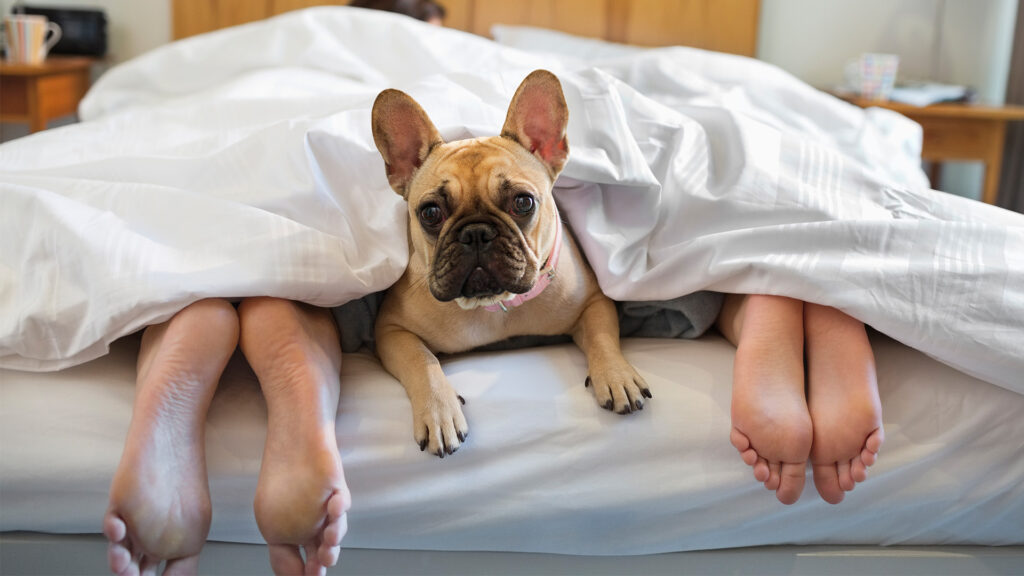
(955, 41)
(133, 27)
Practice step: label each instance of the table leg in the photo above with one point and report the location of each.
(994, 163)
(36, 121)
(934, 174)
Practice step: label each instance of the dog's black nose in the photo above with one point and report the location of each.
(477, 235)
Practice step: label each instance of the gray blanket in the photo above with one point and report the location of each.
(684, 317)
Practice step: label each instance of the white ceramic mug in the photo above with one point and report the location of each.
(29, 38)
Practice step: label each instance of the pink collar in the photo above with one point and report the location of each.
(547, 273)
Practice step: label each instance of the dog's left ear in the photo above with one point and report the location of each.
(537, 118)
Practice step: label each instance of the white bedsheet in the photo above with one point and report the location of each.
(544, 468)
(241, 162)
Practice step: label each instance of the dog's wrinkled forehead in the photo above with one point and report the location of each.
(482, 169)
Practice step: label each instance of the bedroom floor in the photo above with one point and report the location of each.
(10, 131)
(30, 553)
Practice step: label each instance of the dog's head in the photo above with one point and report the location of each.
(481, 211)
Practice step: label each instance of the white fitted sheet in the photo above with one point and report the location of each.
(545, 469)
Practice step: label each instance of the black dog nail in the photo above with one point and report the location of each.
(608, 405)
(463, 400)
(646, 392)
(586, 383)
(423, 445)
(462, 437)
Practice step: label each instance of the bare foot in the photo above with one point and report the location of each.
(159, 498)
(771, 424)
(843, 400)
(301, 497)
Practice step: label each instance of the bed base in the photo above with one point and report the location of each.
(60, 554)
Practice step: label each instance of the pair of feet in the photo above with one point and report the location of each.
(160, 501)
(778, 427)
(160, 506)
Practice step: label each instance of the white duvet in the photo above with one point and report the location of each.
(241, 163)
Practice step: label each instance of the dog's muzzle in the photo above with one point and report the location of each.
(477, 261)
(476, 240)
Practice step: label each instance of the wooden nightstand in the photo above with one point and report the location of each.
(956, 131)
(36, 94)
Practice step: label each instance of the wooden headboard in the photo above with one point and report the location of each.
(722, 25)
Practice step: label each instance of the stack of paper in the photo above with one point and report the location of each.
(928, 93)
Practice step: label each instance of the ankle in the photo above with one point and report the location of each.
(773, 324)
(825, 321)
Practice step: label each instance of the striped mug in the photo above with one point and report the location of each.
(29, 38)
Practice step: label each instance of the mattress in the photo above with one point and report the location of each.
(545, 469)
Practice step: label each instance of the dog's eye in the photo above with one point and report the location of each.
(431, 215)
(523, 205)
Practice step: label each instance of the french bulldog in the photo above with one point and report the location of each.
(489, 259)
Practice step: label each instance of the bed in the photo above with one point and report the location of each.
(239, 162)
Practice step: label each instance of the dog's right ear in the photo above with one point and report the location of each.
(404, 135)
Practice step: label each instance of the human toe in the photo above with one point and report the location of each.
(826, 480)
(858, 470)
(285, 559)
(313, 566)
(772, 483)
(119, 558)
(845, 476)
(114, 527)
(762, 472)
(791, 482)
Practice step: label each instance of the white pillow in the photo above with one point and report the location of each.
(550, 41)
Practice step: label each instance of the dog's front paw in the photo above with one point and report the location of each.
(438, 423)
(618, 388)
